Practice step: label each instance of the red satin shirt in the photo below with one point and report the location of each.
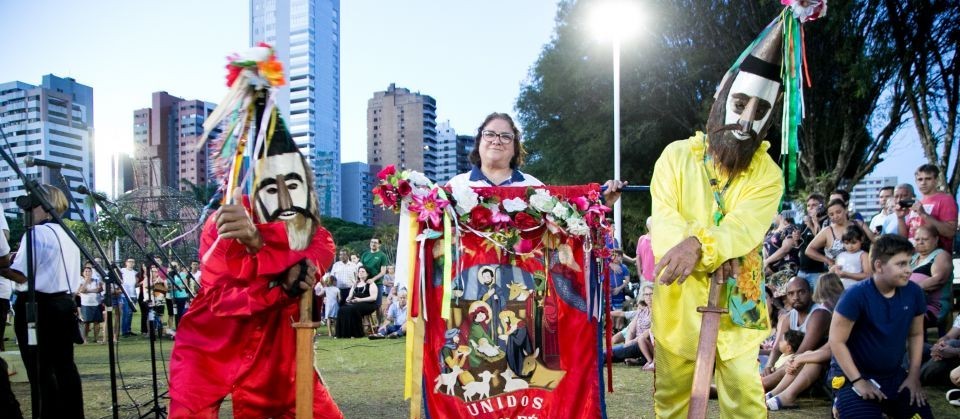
(237, 338)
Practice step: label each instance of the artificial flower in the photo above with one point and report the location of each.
(577, 227)
(403, 188)
(417, 178)
(806, 10)
(272, 71)
(525, 221)
(593, 195)
(386, 195)
(233, 71)
(466, 198)
(524, 246)
(480, 217)
(561, 210)
(388, 171)
(542, 201)
(498, 217)
(429, 207)
(580, 202)
(514, 205)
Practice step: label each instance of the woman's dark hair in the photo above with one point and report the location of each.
(854, 233)
(837, 202)
(518, 152)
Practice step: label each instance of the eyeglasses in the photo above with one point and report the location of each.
(505, 137)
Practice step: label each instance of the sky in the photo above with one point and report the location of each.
(471, 56)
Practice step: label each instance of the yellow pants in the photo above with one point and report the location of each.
(738, 384)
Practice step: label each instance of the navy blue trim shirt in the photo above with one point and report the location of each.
(475, 178)
(878, 339)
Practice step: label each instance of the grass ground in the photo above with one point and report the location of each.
(365, 378)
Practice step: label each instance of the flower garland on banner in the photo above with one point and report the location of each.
(505, 223)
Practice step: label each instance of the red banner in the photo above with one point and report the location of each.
(520, 341)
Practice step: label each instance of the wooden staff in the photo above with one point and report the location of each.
(305, 355)
(706, 350)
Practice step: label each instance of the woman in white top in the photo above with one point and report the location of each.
(56, 261)
(829, 241)
(497, 156)
(90, 299)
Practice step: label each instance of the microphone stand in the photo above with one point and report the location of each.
(110, 279)
(156, 409)
(33, 191)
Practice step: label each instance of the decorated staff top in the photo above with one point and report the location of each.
(775, 59)
(255, 151)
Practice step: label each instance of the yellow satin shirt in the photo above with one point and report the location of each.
(684, 206)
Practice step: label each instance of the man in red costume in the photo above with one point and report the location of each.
(237, 337)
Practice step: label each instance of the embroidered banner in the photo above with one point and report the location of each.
(521, 337)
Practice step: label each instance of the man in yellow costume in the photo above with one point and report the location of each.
(714, 196)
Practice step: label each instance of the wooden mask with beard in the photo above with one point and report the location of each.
(283, 189)
(743, 106)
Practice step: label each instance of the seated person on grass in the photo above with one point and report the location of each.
(804, 369)
(876, 322)
(638, 342)
(805, 316)
(396, 324)
(942, 357)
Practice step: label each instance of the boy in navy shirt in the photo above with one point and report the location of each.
(871, 325)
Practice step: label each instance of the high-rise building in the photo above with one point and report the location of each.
(402, 130)
(453, 153)
(305, 35)
(124, 180)
(356, 194)
(165, 136)
(52, 121)
(863, 196)
(464, 147)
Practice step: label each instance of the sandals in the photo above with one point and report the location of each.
(953, 397)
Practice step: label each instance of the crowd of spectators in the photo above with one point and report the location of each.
(876, 289)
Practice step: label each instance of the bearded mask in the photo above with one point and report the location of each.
(284, 190)
(743, 108)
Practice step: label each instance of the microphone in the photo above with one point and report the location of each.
(131, 217)
(99, 196)
(31, 162)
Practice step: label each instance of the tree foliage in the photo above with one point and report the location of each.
(346, 232)
(925, 35)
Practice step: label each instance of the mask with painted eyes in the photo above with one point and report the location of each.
(742, 111)
(283, 189)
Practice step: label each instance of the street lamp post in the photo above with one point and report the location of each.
(617, 207)
(616, 19)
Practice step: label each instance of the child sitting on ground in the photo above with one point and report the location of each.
(788, 346)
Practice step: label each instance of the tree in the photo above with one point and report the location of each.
(854, 108)
(925, 35)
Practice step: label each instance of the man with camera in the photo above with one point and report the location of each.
(936, 208)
